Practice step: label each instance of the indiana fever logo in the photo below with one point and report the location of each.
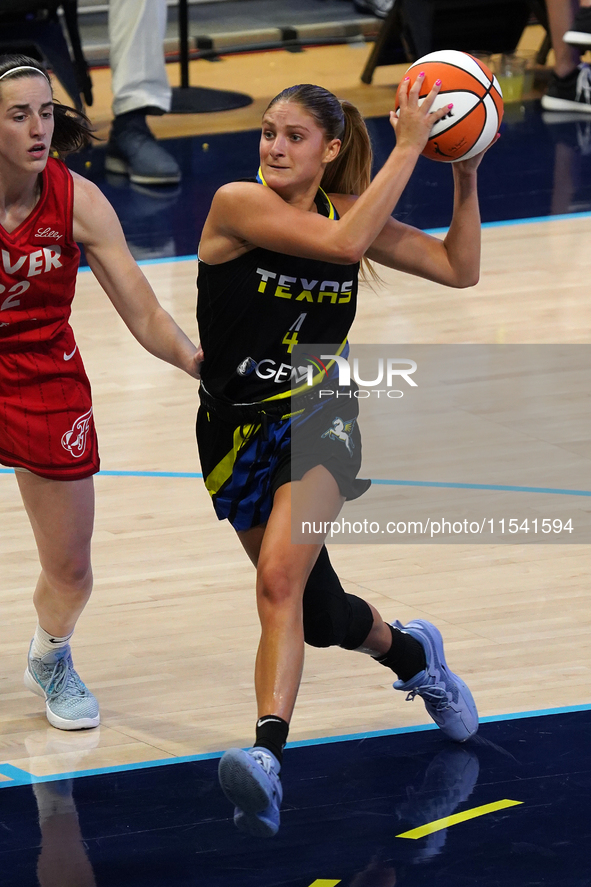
(74, 440)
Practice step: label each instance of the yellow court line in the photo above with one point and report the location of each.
(439, 824)
(324, 883)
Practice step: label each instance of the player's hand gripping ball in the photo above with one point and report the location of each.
(475, 118)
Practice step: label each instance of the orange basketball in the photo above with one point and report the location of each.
(475, 118)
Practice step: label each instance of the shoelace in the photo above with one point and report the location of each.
(62, 677)
(434, 694)
(265, 761)
(584, 84)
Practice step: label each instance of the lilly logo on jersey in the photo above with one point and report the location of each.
(387, 370)
(48, 233)
(74, 440)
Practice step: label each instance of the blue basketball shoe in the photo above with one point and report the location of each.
(447, 698)
(69, 704)
(250, 780)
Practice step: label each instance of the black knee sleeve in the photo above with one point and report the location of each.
(331, 616)
(360, 623)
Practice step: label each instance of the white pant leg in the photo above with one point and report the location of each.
(136, 34)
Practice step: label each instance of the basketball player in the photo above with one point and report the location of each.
(46, 426)
(282, 252)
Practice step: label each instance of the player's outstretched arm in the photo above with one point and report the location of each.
(97, 227)
(453, 261)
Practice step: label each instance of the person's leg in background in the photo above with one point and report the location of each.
(570, 86)
(579, 33)
(140, 86)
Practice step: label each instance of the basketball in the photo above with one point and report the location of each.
(475, 118)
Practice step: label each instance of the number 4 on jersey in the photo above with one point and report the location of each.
(291, 337)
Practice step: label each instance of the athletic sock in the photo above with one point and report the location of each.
(46, 643)
(406, 656)
(271, 733)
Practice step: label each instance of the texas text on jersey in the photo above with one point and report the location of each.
(272, 302)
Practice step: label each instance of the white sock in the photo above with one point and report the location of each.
(46, 643)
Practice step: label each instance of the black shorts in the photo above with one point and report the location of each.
(244, 465)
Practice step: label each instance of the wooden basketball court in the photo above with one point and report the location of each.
(168, 640)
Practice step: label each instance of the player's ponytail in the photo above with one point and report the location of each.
(72, 129)
(350, 171)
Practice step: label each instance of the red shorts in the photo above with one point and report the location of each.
(46, 423)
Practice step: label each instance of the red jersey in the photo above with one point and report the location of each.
(46, 422)
(38, 266)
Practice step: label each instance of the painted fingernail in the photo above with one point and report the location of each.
(407, 78)
(451, 104)
(438, 83)
(422, 74)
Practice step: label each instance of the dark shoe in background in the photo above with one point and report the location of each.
(571, 93)
(133, 151)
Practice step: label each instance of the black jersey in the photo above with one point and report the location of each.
(253, 309)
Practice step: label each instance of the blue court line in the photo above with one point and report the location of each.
(503, 223)
(110, 473)
(507, 488)
(499, 487)
(559, 217)
(113, 473)
(21, 777)
(420, 728)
